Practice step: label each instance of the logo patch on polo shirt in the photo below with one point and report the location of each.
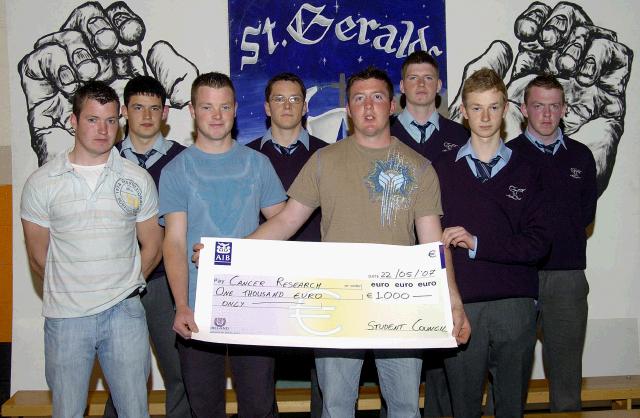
(576, 173)
(128, 195)
(515, 193)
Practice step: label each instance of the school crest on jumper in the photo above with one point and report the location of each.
(392, 182)
(449, 146)
(515, 192)
(576, 173)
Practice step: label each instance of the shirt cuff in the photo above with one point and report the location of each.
(472, 253)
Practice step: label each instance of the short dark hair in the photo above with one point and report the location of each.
(367, 73)
(419, 57)
(484, 79)
(94, 90)
(144, 85)
(294, 78)
(546, 81)
(214, 80)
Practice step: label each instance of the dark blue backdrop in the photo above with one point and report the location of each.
(324, 42)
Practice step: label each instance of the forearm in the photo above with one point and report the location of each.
(150, 256)
(526, 247)
(283, 225)
(37, 242)
(37, 262)
(454, 294)
(274, 229)
(175, 263)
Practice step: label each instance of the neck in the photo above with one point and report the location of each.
(485, 148)
(285, 137)
(546, 140)
(142, 145)
(214, 146)
(81, 158)
(421, 114)
(378, 141)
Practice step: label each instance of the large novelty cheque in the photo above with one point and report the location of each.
(329, 295)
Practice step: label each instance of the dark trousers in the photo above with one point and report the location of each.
(158, 306)
(502, 340)
(298, 364)
(562, 326)
(203, 370)
(437, 402)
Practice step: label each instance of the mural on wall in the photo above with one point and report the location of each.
(590, 63)
(94, 43)
(324, 42)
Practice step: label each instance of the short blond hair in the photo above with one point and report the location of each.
(484, 79)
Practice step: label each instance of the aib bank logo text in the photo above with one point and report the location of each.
(223, 254)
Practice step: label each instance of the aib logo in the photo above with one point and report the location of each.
(223, 254)
(220, 322)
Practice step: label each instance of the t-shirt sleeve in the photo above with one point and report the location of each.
(33, 206)
(172, 191)
(305, 188)
(149, 200)
(428, 197)
(272, 191)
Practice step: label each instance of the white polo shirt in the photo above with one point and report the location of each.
(93, 261)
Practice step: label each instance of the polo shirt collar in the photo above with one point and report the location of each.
(61, 164)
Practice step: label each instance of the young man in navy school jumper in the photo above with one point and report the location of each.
(496, 221)
(145, 110)
(570, 175)
(288, 146)
(420, 125)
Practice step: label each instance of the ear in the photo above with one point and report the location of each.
(74, 121)
(123, 111)
(523, 109)
(165, 112)
(192, 111)
(304, 108)
(235, 109)
(463, 110)
(564, 109)
(402, 87)
(348, 110)
(267, 109)
(439, 87)
(392, 108)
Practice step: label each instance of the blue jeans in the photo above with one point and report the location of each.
(120, 338)
(339, 379)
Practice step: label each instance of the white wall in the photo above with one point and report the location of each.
(198, 30)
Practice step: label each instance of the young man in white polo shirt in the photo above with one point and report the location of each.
(90, 224)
